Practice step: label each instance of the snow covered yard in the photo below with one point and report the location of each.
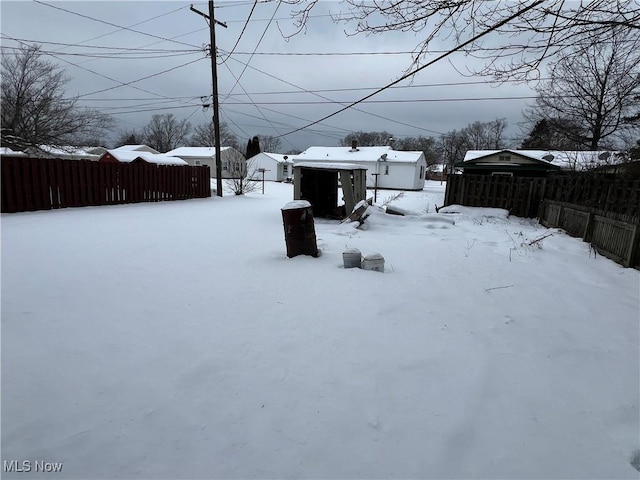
(177, 340)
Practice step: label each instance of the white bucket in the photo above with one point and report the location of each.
(351, 258)
(374, 262)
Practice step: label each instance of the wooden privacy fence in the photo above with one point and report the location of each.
(43, 183)
(522, 195)
(616, 236)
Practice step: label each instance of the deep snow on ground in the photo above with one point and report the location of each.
(177, 340)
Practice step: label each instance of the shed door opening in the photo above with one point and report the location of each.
(320, 188)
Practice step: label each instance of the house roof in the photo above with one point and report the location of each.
(329, 165)
(136, 148)
(198, 152)
(125, 156)
(568, 160)
(360, 154)
(277, 157)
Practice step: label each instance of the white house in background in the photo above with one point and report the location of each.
(129, 156)
(395, 169)
(233, 161)
(277, 167)
(137, 148)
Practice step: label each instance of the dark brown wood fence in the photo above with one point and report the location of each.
(43, 184)
(616, 236)
(522, 195)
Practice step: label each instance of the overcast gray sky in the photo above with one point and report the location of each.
(135, 59)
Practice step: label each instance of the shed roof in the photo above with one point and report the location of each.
(565, 159)
(360, 154)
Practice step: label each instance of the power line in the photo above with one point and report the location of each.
(357, 89)
(100, 75)
(124, 84)
(242, 32)
(398, 52)
(416, 70)
(253, 103)
(107, 56)
(136, 99)
(135, 24)
(318, 132)
(155, 109)
(124, 49)
(408, 100)
(257, 45)
(332, 101)
(112, 24)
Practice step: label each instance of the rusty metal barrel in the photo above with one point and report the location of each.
(299, 230)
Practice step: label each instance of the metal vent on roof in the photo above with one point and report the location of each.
(548, 157)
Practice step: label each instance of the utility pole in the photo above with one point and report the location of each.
(214, 77)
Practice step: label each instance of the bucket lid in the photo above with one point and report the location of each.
(374, 256)
(352, 251)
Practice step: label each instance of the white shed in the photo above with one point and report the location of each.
(277, 167)
(394, 169)
(233, 161)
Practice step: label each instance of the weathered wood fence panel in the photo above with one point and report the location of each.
(43, 184)
(616, 236)
(522, 195)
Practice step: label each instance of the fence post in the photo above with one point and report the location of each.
(461, 191)
(588, 228)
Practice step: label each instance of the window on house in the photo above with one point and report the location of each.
(197, 162)
(285, 169)
(386, 169)
(225, 166)
(504, 158)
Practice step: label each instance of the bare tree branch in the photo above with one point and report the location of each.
(35, 110)
(165, 132)
(546, 31)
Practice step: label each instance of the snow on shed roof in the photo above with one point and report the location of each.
(360, 154)
(195, 151)
(125, 156)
